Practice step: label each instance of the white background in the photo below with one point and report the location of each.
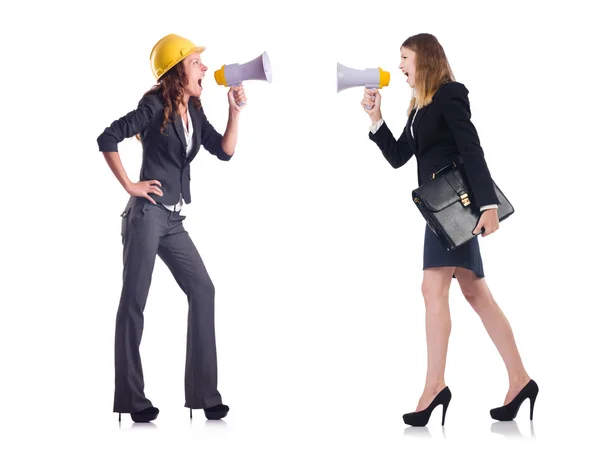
(310, 237)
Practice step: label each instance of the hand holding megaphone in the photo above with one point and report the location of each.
(371, 101)
(232, 75)
(236, 96)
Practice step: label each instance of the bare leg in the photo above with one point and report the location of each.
(480, 298)
(436, 288)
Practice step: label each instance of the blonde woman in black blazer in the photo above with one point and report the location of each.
(438, 132)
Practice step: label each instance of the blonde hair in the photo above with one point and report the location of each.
(432, 68)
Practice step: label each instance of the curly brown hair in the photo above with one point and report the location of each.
(170, 86)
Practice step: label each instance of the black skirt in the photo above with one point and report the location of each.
(466, 256)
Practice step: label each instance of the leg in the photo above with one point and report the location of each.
(183, 260)
(436, 288)
(478, 295)
(140, 244)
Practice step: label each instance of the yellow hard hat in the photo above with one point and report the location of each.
(168, 51)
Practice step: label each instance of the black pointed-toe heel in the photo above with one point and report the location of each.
(146, 415)
(509, 411)
(421, 418)
(216, 412)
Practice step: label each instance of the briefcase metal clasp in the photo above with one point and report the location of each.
(464, 198)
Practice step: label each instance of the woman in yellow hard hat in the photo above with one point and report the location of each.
(171, 125)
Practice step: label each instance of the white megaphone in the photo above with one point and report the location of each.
(370, 78)
(234, 74)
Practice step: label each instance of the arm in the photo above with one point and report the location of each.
(397, 152)
(214, 142)
(114, 162)
(141, 189)
(223, 146)
(126, 127)
(457, 113)
(231, 131)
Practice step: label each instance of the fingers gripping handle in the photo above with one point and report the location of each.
(235, 84)
(370, 87)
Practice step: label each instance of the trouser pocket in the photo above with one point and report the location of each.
(133, 215)
(124, 216)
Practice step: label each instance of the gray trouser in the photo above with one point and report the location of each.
(149, 230)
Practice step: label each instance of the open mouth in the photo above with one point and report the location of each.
(200, 82)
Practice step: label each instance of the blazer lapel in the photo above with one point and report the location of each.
(197, 135)
(418, 118)
(411, 141)
(409, 137)
(180, 133)
(417, 122)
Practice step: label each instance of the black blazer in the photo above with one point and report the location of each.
(164, 156)
(444, 134)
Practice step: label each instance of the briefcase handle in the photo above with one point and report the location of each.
(443, 169)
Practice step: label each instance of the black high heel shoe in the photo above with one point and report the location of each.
(509, 411)
(215, 412)
(146, 415)
(421, 418)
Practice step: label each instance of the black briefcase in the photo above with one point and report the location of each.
(445, 203)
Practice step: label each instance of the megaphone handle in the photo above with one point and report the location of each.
(370, 88)
(235, 84)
